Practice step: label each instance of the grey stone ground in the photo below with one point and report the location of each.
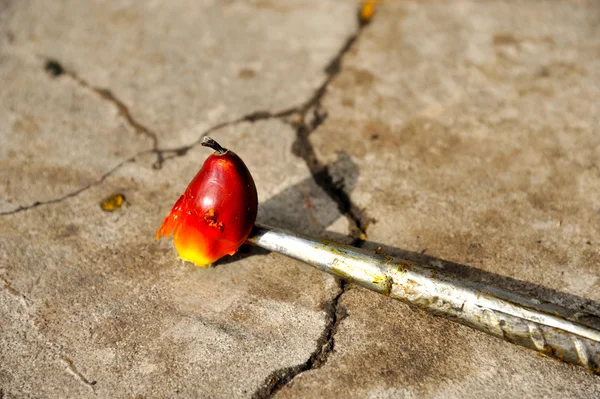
(466, 130)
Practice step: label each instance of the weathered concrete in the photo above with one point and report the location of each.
(475, 129)
(467, 130)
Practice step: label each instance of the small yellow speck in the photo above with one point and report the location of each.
(112, 202)
(367, 10)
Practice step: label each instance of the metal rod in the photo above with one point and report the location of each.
(516, 319)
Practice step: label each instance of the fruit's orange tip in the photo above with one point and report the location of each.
(162, 231)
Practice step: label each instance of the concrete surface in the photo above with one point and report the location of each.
(466, 131)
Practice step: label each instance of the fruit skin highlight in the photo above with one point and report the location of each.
(217, 211)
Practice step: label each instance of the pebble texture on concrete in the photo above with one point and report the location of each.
(466, 131)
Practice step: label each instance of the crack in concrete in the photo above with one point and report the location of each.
(304, 149)
(76, 373)
(356, 216)
(322, 176)
(56, 69)
(53, 346)
(12, 291)
(170, 153)
(325, 346)
(80, 190)
(163, 155)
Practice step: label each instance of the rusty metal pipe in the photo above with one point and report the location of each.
(514, 318)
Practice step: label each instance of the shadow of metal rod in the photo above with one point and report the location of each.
(514, 318)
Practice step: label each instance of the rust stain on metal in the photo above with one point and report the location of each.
(341, 271)
(410, 288)
(385, 282)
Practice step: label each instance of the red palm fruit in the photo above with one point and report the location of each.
(217, 211)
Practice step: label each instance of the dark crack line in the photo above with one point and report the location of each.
(12, 291)
(76, 192)
(325, 346)
(304, 149)
(73, 370)
(163, 155)
(170, 153)
(357, 219)
(321, 174)
(56, 69)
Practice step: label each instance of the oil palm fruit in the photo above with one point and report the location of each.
(217, 211)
